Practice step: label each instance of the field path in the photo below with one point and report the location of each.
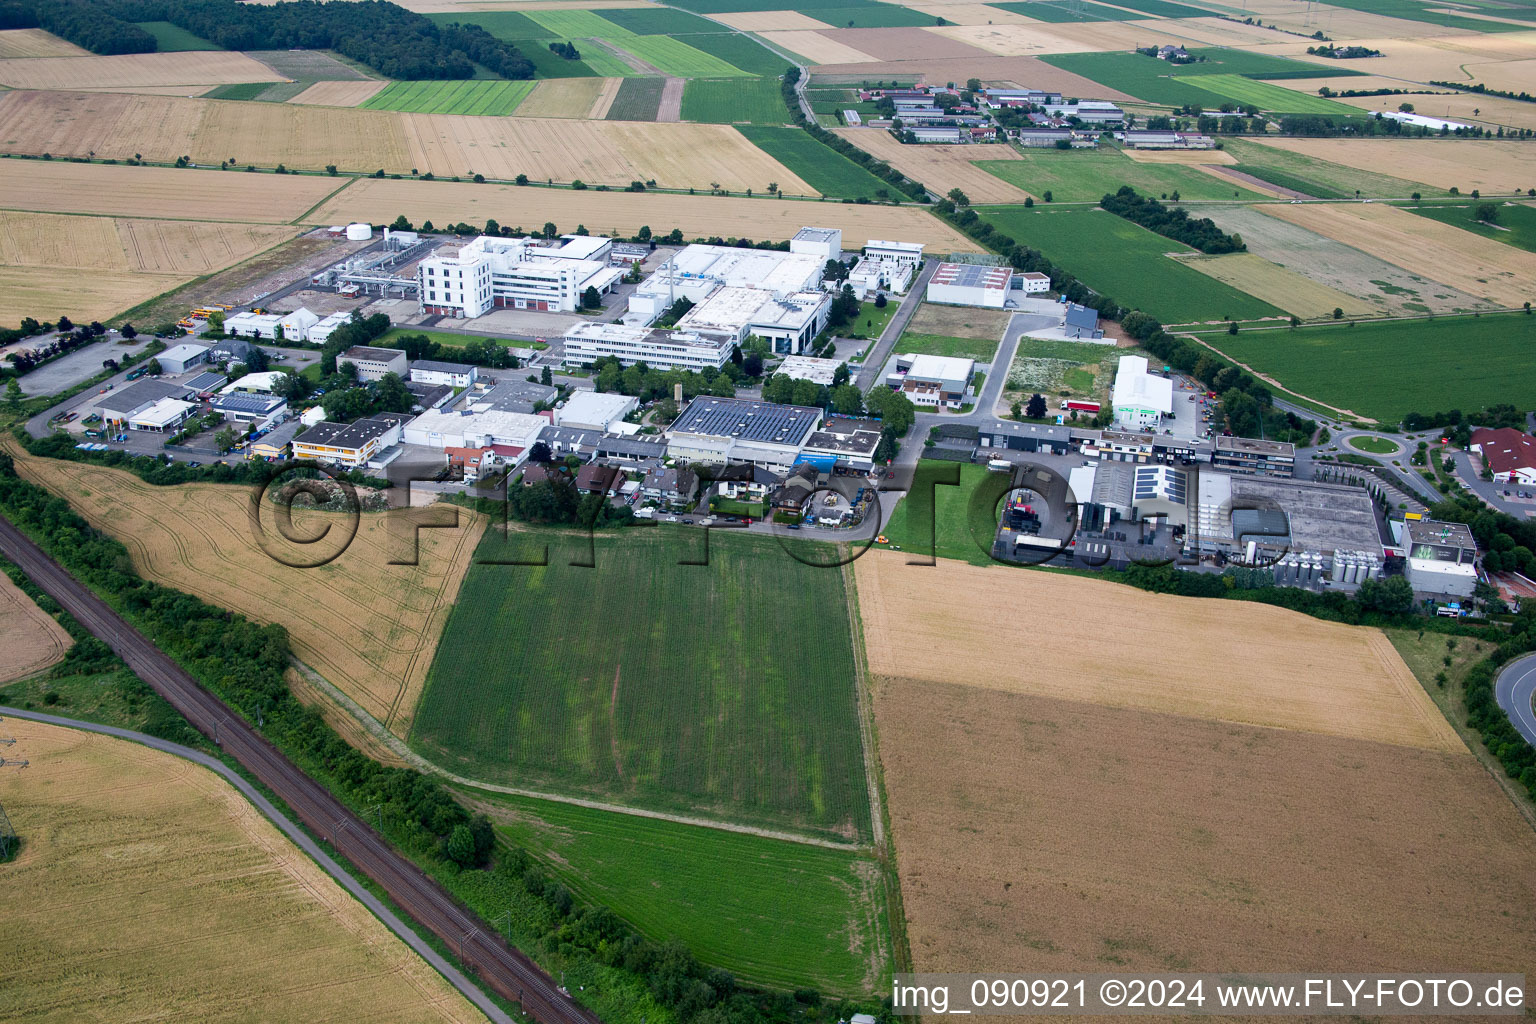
(671, 107)
(399, 748)
(1344, 414)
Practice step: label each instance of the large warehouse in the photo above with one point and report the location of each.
(1141, 400)
(722, 430)
(969, 284)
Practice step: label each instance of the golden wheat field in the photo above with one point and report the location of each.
(942, 167)
(1081, 837)
(97, 295)
(185, 248)
(30, 638)
(34, 42)
(565, 97)
(621, 213)
(368, 627)
(1236, 662)
(338, 94)
(198, 67)
(1441, 252)
(1496, 167)
(159, 192)
(818, 47)
(1277, 285)
(148, 888)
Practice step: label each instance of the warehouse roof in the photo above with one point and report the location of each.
(441, 366)
(746, 420)
(140, 394)
(370, 353)
(971, 275)
(349, 435)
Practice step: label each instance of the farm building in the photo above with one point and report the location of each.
(936, 135)
(488, 273)
(1087, 111)
(434, 371)
(1441, 557)
(970, 284)
(723, 430)
(843, 444)
(1140, 399)
(1248, 455)
(1045, 138)
(817, 371)
(373, 363)
(1510, 454)
(181, 358)
(822, 243)
(349, 445)
(593, 410)
(1002, 98)
(1148, 139)
(936, 381)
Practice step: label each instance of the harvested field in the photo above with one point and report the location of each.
(201, 67)
(308, 65)
(818, 47)
(338, 94)
(1510, 76)
(380, 623)
(110, 125)
(990, 69)
(268, 134)
(128, 850)
(960, 322)
(564, 97)
(1234, 662)
(94, 296)
(34, 42)
(1461, 259)
(1149, 841)
(602, 104)
(622, 213)
(1018, 40)
(52, 240)
(1279, 286)
(942, 167)
(970, 14)
(30, 638)
(765, 22)
(901, 44)
(1197, 157)
(192, 249)
(1490, 110)
(158, 191)
(1495, 167)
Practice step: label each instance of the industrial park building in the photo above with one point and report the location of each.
(488, 273)
(723, 430)
(1140, 399)
(969, 284)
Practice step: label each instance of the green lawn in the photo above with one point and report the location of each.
(496, 99)
(1268, 97)
(637, 100)
(773, 913)
(729, 100)
(871, 319)
(1320, 178)
(1516, 223)
(441, 337)
(1087, 10)
(872, 15)
(675, 57)
(724, 689)
(1127, 262)
(175, 39)
(979, 349)
(1387, 370)
(1085, 175)
(1374, 445)
(951, 512)
(1048, 367)
(819, 166)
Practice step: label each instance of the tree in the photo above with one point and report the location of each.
(752, 364)
(13, 395)
(539, 453)
(1232, 327)
(835, 270)
(1338, 314)
(224, 440)
(841, 375)
(1486, 212)
(958, 197)
(550, 231)
(153, 368)
(880, 300)
(546, 378)
(1035, 410)
(1393, 595)
(590, 299)
(847, 400)
(460, 846)
(130, 332)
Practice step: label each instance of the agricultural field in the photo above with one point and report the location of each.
(1500, 273)
(1085, 175)
(636, 100)
(818, 47)
(24, 291)
(30, 638)
(1127, 262)
(34, 42)
(171, 38)
(1319, 178)
(1516, 223)
(1437, 365)
(1267, 96)
(741, 52)
(127, 850)
(339, 94)
(1285, 288)
(942, 167)
(496, 99)
(772, 913)
(697, 700)
(917, 343)
(675, 57)
(733, 100)
(161, 192)
(1149, 79)
(1048, 367)
(622, 213)
(823, 168)
(382, 621)
(134, 69)
(566, 97)
(1496, 167)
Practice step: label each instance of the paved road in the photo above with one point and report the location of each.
(874, 366)
(1515, 688)
(503, 968)
(300, 839)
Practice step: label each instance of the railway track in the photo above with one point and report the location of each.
(504, 969)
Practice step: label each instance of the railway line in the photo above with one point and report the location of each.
(507, 971)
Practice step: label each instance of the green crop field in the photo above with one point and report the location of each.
(1516, 224)
(659, 21)
(674, 57)
(951, 512)
(508, 25)
(238, 91)
(1276, 98)
(1085, 175)
(603, 62)
(773, 913)
(1127, 262)
(822, 168)
(497, 99)
(1157, 81)
(742, 52)
(1087, 10)
(872, 15)
(637, 100)
(1439, 14)
(724, 689)
(1387, 370)
(728, 100)
(1163, 9)
(1320, 178)
(915, 343)
(175, 39)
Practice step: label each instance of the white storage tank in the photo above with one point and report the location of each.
(359, 232)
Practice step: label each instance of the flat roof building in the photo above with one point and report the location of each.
(970, 284)
(898, 252)
(1140, 400)
(436, 371)
(491, 272)
(823, 243)
(595, 410)
(373, 363)
(1237, 516)
(939, 381)
(259, 411)
(720, 430)
(847, 444)
(437, 428)
(1442, 557)
(665, 350)
(1253, 456)
(181, 358)
(817, 371)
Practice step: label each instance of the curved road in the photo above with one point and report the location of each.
(1514, 689)
(300, 838)
(506, 970)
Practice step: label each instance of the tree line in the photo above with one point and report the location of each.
(879, 168)
(1171, 222)
(88, 25)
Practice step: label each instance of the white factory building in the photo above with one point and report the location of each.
(1442, 557)
(488, 273)
(697, 270)
(594, 410)
(969, 284)
(935, 381)
(817, 371)
(463, 429)
(1140, 399)
(823, 243)
(910, 253)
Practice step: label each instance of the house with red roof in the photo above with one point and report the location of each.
(1510, 454)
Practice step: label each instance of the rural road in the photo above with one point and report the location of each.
(300, 839)
(1513, 690)
(506, 970)
(874, 366)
